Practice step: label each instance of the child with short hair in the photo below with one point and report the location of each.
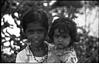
(35, 27)
(62, 34)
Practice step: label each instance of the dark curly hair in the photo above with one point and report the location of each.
(35, 16)
(65, 24)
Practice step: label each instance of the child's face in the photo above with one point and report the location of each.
(35, 33)
(61, 40)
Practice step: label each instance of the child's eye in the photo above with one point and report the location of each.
(40, 31)
(31, 32)
(56, 36)
(64, 36)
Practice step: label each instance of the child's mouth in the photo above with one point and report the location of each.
(36, 41)
(60, 46)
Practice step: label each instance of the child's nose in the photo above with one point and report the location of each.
(60, 39)
(36, 35)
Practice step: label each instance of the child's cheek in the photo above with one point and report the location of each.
(66, 42)
(30, 36)
(55, 41)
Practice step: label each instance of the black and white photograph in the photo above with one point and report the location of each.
(49, 31)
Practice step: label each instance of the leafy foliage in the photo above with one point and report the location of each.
(86, 48)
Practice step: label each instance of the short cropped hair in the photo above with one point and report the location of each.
(34, 16)
(65, 24)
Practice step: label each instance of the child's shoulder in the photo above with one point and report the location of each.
(71, 51)
(23, 52)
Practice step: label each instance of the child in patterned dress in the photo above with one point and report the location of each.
(62, 34)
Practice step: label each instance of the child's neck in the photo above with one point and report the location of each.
(39, 51)
(36, 48)
(65, 48)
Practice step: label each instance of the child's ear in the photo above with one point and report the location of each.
(25, 34)
(46, 37)
(46, 33)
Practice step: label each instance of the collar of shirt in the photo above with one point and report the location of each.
(31, 57)
(28, 51)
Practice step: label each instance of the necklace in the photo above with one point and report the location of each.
(43, 58)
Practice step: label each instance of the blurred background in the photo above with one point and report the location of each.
(84, 13)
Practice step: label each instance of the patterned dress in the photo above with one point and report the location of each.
(61, 56)
(54, 56)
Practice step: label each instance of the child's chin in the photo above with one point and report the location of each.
(60, 47)
(35, 44)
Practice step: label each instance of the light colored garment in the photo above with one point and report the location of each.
(26, 56)
(68, 56)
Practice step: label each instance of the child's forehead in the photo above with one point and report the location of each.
(34, 26)
(60, 31)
